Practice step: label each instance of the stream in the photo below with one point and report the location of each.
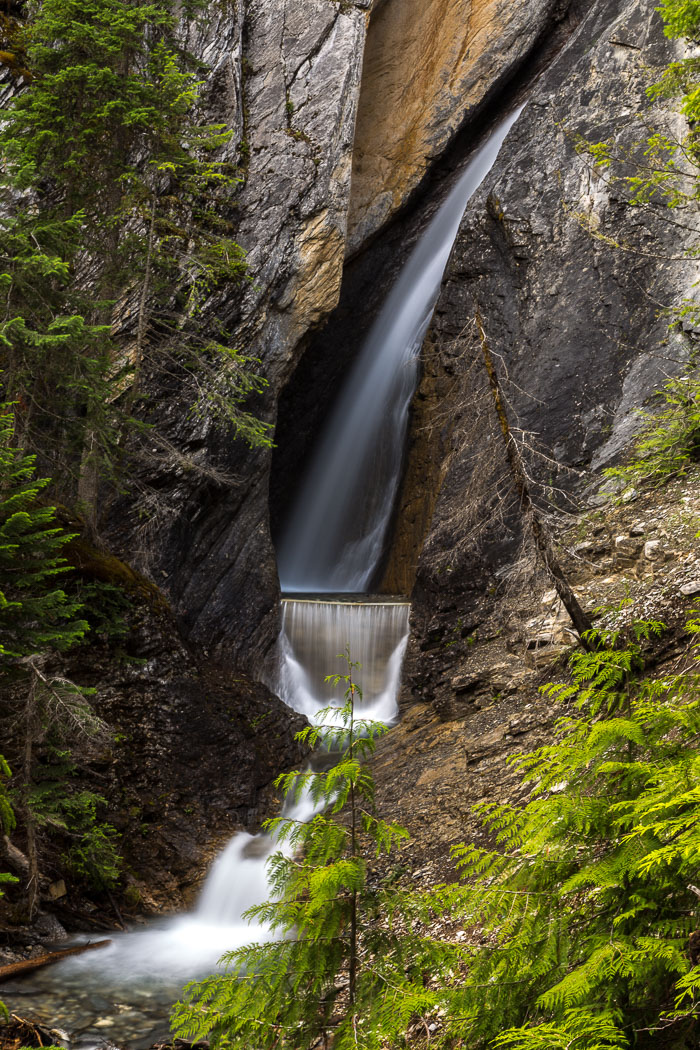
(327, 559)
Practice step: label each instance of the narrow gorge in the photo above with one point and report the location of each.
(402, 168)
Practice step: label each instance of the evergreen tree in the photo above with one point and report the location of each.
(49, 712)
(348, 968)
(122, 206)
(36, 615)
(582, 919)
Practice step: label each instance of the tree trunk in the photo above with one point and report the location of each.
(30, 728)
(29, 965)
(538, 529)
(89, 479)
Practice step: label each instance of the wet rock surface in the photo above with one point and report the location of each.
(289, 77)
(82, 1018)
(198, 750)
(328, 354)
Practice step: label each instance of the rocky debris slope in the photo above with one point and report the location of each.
(481, 701)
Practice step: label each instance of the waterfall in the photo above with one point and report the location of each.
(333, 544)
(337, 528)
(314, 632)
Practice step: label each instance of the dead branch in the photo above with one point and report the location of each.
(538, 529)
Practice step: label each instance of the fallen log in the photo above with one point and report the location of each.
(29, 965)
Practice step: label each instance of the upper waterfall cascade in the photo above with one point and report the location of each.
(337, 529)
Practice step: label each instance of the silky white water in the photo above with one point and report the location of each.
(123, 992)
(315, 632)
(337, 528)
(333, 544)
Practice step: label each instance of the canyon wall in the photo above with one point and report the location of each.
(351, 120)
(571, 283)
(286, 77)
(427, 68)
(289, 78)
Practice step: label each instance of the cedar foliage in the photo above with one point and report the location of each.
(586, 903)
(582, 916)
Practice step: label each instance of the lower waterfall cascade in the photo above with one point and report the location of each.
(374, 633)
(327, 559)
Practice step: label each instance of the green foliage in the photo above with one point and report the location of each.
(103, 80)
(93, 854)
(581, 912)
(56, 802)
(106, 609)
(7, 823)
(579, 1030)
(587, 902)
(35, 614)
(37, 620)
(348, 965)
(61, 732)
(669, 442)
(116, 203)
(681, 17)
(681, 80)
(7, 817)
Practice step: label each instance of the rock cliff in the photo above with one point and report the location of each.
(427, 68)
(286, 77)
(569, 280)
(290, 78)
(351, 117)
(563, 272)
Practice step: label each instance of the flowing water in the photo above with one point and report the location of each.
(332, 548)
(314, 632)
(337, 529)
(123, 993)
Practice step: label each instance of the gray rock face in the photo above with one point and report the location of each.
(573, 318)
(568, 279)
(197, 751)
(286, 76)
(428, 67)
